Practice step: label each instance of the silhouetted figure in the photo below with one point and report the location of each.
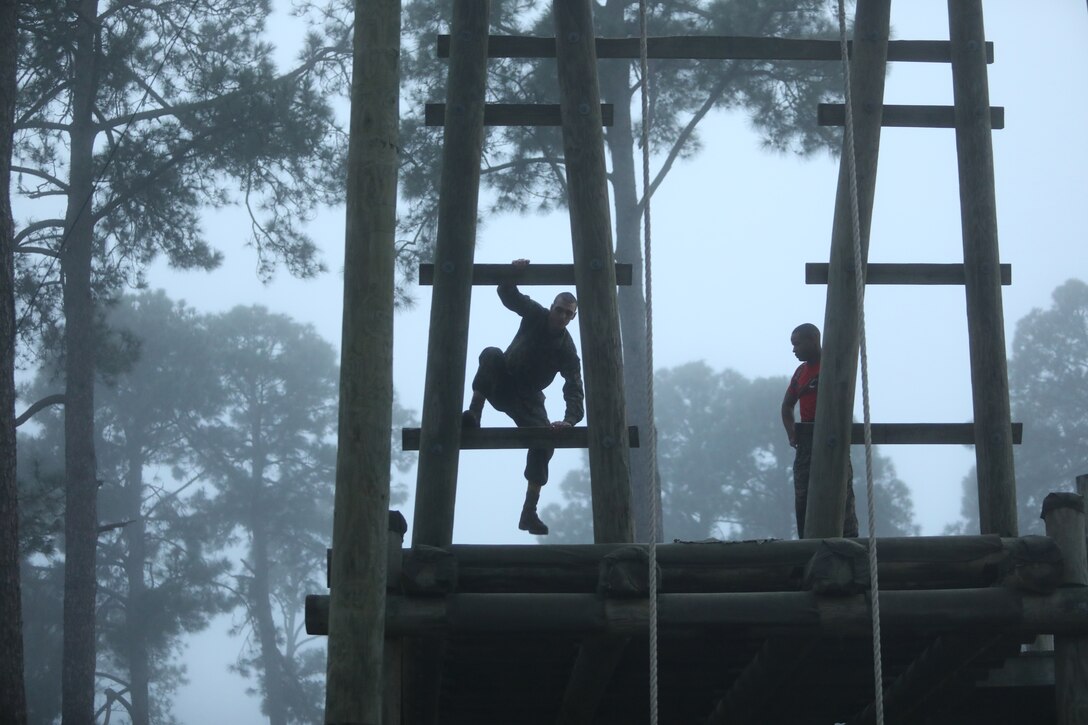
(802, 389)
(514, 381)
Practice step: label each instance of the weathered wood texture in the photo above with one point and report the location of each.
(496, 438)
(900, 116)
(514, 114)
(715, 47)
(985, 318)
(533, 274)
(787, 614)
(1031, 563)
(959, 434)
(911, 273)
(354, 685)
(447, 344)
(595, 278)
(1064, 517)
(838, 367)
(595, 271)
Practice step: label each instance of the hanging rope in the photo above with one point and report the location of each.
(643, 55)
(859, 280)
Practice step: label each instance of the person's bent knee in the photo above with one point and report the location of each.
(490, 355)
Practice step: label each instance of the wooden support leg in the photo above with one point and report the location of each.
(1064, 517)
(593, 669)
(779, 661)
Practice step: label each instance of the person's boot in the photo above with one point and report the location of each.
(470, 420)
(529, 520)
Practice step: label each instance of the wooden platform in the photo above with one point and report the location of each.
(740, 625)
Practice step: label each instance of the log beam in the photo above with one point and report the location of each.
(913, 273)
(551, 274)
(514, 114)
(716, 47)
(1064, 517)
(985, 318)
(911, 116)
(785, 614)
(841, 334)
(356, 659)
(505, 438)
(928, 562)
(447, 346)
(958, 434)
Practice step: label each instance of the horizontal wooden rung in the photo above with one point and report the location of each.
(505, 438)
(514, 114)
(884, 434)
(834, 114)
(533, 274)
(715, 47)
(882, 273)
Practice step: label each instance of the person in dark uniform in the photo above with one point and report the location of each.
(802, 389)
(513, 381)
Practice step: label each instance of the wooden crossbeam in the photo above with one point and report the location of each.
(715, 47)
(912, 273)
(834, 114)
(890, 434)
(915, 562)
(785, 614)
(533, 274)
(514, 114)
(505, 438)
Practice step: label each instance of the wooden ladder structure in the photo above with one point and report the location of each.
(593, 272)
(778, 613)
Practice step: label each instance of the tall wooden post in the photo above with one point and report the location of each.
(985, 319)
(594, 270)
(1064, 517)
(439, 448)
(360, 523)
(838, 366)
(602, 359)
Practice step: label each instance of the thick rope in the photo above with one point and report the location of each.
(859, 281)
(643, 55)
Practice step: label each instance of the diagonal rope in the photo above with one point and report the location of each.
(859, 286)
(643, 55)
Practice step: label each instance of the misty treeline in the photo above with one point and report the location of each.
(215, 451)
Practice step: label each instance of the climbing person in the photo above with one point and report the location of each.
(513, 381)
(802, 389)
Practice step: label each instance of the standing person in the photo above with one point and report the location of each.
(802, 389)
(514, 381)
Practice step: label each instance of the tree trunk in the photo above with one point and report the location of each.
(260, 596)
(12, 689)
(615, 79)
(139, 670)
(81, 487)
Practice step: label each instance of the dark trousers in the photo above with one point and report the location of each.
(802, 462)
(525, 407)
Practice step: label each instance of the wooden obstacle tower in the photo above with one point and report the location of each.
(749, 632)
